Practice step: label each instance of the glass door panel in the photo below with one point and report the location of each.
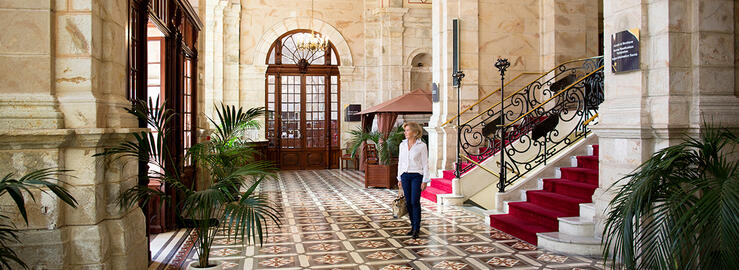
(290, 131)
(315, 115)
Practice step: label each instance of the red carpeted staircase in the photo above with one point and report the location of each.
(561, 197)
(444, 185)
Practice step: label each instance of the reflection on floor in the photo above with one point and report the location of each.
(330, 221)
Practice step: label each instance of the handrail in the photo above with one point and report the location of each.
(508, 168)
(479, 165)
(527, 85)
(553, 96)
(590, 120)
(484, 98)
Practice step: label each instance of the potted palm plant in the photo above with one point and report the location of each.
(228, 201)
(678, 210)
(16, 188)
(383, 174)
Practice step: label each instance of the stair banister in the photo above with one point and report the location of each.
(485, 97)
(478, 165)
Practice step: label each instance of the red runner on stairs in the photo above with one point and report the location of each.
(561, 197)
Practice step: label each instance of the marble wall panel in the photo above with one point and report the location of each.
(25, 74)
(25, 32)
(73, 34)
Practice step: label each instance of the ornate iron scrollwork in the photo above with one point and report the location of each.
(537, 121)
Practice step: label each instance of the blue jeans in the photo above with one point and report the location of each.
(412, 190)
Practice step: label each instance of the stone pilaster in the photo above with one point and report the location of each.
(231, 35)
(70, 108)
(686, 75)
(443, 12)
(384, 49)
(569, 31)
(26, 96)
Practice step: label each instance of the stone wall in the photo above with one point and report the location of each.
(687, 75)
(375, 41)
(62, 101)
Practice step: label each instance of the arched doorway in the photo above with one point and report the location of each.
(302, 101)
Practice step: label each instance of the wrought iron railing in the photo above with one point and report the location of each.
(486, 97)
(535, 122)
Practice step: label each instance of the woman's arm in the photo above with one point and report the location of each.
(401, 153)
(425, 164)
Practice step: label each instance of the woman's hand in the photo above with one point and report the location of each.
(423, 186)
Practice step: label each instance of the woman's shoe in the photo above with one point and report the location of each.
(411, 232)
(415, 234)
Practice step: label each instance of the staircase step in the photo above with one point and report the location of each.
(536, 214)
(431, 192)
(587, 162)
(448, 174)
(596, 150)
(517, 227)
(563, 203)
(443, 184)
(570, 188)
(575, 245)
(576, 226)
(584, 175)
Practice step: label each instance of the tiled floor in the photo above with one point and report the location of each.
(330, 221)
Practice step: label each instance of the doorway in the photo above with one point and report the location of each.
(302, 100)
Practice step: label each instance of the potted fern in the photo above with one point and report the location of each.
(229, 201)
(678, 210)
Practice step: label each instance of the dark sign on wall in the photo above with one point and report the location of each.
(625, 51)
(434, 92)
(350, 113)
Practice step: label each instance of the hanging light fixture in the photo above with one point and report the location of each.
(312, 41)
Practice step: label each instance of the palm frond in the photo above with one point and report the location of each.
(231, 121)
(7, 254)
(678, 209)
(248, 215)
(16, 188)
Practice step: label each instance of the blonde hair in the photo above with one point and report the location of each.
(415, 127)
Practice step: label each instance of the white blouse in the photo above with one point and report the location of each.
(415, 160)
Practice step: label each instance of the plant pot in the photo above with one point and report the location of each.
(381, 176)
(218, 266)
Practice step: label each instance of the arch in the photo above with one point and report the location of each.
(296, 23)
(414, 53)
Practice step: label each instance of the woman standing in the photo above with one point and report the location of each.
(413, 172)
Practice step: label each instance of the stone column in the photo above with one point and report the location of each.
(218, 56)
(686, 75)
(569, 31)
(252, 90)
(443, 140)
(26, 95)
(231, 36)
(384, 53)
(73, 52)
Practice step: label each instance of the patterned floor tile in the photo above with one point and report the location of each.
(338, 224)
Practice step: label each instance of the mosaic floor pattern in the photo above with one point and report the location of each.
(330, 221)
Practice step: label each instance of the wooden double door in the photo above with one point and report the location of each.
(302, 120)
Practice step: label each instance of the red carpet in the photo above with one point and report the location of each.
(561, 197)
(444, 185)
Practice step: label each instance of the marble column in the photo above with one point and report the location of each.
(384, 50)
(66, 94)
(686, 75)
(231, 35)
(569, 31)
(443, 139)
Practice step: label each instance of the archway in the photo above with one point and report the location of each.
(302, 101)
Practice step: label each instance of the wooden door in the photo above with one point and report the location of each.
(303, 133)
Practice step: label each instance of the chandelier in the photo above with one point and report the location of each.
(311, 41)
